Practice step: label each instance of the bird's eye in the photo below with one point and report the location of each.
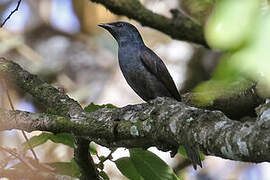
(119, 24)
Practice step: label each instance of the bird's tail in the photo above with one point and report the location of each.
(194, 155)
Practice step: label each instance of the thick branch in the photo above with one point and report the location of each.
(179, 27)
(84, 159)
(161, 123)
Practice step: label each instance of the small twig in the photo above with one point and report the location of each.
(182, 165)
(8, 95)
(11, 152)
(106, 158)
(29, 144)
(24, 134)
(11, 13)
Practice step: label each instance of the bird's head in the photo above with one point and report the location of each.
(123, 32)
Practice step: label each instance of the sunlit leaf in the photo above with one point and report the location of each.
(206, 92)
(254, 58)
(227, 81)
(92, 148)
(230, 24)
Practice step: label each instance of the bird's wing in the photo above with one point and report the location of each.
(156, 66)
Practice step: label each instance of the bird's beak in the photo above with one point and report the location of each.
(106, 26)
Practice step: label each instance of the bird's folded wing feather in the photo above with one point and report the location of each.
(156, 66)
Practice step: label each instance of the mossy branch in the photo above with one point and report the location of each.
(162, 123)
(178, 27)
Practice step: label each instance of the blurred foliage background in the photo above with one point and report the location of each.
(59, 40)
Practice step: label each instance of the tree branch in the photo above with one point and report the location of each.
(179, 27)
(24, 160)
(56, 103)
(162, 123)
(11, 13)
(84, 159)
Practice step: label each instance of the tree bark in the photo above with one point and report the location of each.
(161, 123)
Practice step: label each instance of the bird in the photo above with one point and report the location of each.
(144, 71)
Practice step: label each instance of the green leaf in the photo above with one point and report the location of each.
(66, 168)
(92, 148)
(93, 107)
(253, 59)
(150, 166)
(227, 81)
(127, 168)
(37, 140)
(102, 158)
(63, 138)
(225, 29)
(182, 151)
(104, 175)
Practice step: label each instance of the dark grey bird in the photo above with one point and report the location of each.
(143, 70)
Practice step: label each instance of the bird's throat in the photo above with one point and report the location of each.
(125, 43)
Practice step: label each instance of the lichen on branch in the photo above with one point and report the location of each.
(162, 123)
